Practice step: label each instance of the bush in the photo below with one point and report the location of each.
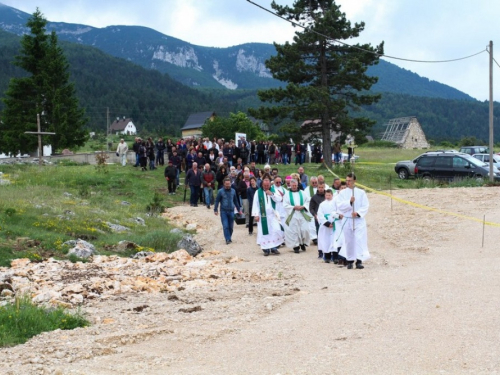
(21, 320)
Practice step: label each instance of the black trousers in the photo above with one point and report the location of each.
(172, 185)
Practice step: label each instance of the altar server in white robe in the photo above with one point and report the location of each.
(329, 227)
(269, 233)
(277, 187)
(295, 203)
(353, 204)
(311, 190)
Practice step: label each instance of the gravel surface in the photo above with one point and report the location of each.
(426, 303)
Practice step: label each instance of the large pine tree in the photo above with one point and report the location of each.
(325, 79)
(46, 90)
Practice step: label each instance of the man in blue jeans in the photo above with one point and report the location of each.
(193, 179)
(228, 201)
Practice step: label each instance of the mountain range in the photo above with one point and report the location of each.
(237, 67)
(159, 80)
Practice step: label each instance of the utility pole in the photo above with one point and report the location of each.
(107, 128)
(491, 112)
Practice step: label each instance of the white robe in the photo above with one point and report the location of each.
(312, 224)
(327, 212)
(297, 232)
(275, 237)
(354, 230)
(279, 205)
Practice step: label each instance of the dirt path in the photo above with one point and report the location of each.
(427, 302)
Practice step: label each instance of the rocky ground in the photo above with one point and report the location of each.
(427, 301)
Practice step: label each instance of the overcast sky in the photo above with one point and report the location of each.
(411, 29)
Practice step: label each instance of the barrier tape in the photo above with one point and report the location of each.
(417, 205)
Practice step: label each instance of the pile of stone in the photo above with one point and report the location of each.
(12, 161)
(69, 284)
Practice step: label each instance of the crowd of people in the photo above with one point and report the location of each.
(151, 154)
(290, 211)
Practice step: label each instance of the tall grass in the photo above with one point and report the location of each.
(21, 320)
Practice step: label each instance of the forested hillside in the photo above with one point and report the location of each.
(152, 99)
(158, 103)
(441, 119)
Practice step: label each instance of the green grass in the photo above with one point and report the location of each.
(22, 320)
(37, 206)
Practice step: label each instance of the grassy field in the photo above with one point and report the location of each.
(44, 207)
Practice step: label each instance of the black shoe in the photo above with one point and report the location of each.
(327, 260)
(228, 242)
(359, 265)
(303, 247)
(320, 254)
(315, 242)
(349, 266)
(275, 251)
(296, 250)
(266, 252)
(250, 233)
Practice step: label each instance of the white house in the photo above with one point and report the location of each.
(123, 126)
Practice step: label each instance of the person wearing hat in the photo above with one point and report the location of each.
(171, 176)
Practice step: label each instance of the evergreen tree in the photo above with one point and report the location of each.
(325, 79)
(46, 91)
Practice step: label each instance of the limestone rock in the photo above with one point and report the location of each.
(82, 249)
(138, 221)
(126, 245)
(117, 228)
(142, 254)
(189, 244)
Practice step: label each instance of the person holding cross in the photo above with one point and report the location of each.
(295, 203)
(353, 204)
(269, 235)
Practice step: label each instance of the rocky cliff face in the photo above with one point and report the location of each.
(233, 67)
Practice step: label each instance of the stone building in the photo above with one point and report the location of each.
(406, 132)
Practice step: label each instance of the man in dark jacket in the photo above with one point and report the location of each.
(160, 152)
(135, 147)
(208, 184)
(193, 179)
(171, 177)
(176, 162)
(261, 151)
(243, 152)
(227, 199)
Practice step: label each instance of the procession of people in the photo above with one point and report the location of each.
(296, 211)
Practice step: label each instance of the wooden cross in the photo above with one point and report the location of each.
(39, 133)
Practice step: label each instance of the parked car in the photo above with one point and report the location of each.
(450, 165)
(471, 150)
(485, 158)
(406, 168)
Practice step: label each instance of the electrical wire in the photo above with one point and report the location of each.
(359, 48)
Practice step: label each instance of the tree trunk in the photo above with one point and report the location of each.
(325, 116)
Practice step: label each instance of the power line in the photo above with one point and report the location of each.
(359, 48)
